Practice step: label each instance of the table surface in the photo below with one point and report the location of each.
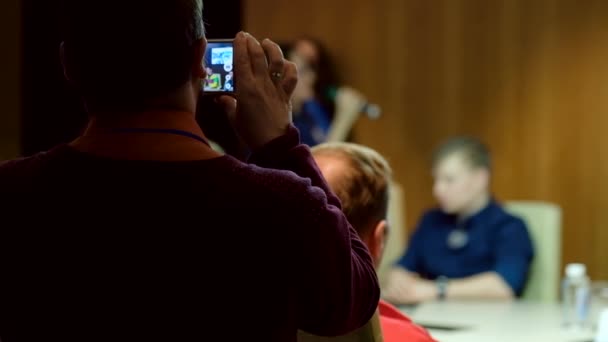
(496, 321)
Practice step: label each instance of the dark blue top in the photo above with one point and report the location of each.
(313, 123)
(497, 241)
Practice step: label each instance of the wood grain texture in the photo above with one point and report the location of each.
(530, 78)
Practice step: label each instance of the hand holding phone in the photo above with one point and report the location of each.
(265, 85)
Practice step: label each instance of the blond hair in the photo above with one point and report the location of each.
(364, 187)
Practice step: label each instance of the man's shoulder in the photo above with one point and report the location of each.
(394, 330)
(432, 218)
(14, 165)
(283, 185)
(434, 213)
(502, 217)
(388, 310)
(398, 327)
(22, 168)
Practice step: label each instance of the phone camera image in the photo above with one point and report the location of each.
(219, 58)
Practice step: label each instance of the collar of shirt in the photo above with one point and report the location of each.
(485, 215)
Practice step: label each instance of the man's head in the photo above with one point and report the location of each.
(315, 67)
(361, 178)
(125, 55)
(461, 168)
(307, 49)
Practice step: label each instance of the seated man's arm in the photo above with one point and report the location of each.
(487, 285)
(337, 285)
(408, 288)
(403, 278)
(513, 255)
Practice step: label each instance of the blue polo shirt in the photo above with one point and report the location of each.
(496, 241)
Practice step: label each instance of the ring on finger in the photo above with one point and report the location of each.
(276, 75)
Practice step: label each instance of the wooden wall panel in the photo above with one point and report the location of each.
(530, 78)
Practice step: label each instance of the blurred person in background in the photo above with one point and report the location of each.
(111, 236)
(469, 247)
(361, 178)
(319, 100)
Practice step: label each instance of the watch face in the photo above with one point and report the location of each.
(442, 284)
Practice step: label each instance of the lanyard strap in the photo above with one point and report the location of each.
(162, 131)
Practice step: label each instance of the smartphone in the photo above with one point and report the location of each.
(218, 63)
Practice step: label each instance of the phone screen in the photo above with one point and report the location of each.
(219, 58)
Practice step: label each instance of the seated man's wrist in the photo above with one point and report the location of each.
(442, 287)
(424, 291)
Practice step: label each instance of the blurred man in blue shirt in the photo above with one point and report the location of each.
(469, 247)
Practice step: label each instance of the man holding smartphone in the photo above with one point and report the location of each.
(112, 236)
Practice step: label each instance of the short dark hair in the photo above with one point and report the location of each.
(121, 53)
(364, 188)
(472, 150)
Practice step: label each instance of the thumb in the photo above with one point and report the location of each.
(228, 104)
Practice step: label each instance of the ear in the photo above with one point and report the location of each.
(377, 241)
(483, 177)
(198, 68)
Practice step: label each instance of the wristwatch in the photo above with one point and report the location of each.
(442, 286)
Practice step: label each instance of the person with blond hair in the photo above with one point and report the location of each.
(361, 178)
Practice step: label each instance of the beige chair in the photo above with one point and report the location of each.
(544, 224)
(396, 242)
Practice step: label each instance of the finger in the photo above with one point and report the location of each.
(242, 63)
(276, 62)
(391, 290)
(290, 78)
(257, 57)
(391, 296)
(388, 292)
(228, 104)
(397, 289)
(403, 290)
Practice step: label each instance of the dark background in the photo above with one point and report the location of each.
(52, 112)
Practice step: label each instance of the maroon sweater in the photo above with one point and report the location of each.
(116, 250)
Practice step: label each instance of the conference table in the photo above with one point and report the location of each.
(496, 321)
